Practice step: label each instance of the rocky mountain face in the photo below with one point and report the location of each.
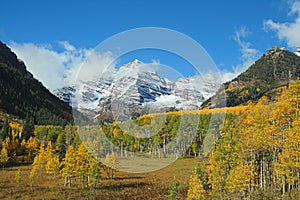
(276, 68)
(132, 90)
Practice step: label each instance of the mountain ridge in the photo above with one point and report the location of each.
(136, 86)
(275, 68)
(22, 94)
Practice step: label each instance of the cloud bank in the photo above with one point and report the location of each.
(57, 69)
(288, 32)
(54, 69)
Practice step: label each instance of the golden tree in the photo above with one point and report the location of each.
(196, 190)
(3, 157)
(69, 164)
(82, 163)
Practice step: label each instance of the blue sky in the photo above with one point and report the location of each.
(50, 35)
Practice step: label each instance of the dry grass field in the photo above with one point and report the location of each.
(153, 185)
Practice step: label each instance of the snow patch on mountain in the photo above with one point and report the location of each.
(134, 89)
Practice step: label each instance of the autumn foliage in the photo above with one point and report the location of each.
(257, 155)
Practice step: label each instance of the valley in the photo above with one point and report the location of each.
(245, 147)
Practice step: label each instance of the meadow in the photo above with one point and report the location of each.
(152, 185)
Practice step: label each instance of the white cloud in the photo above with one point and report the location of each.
(95, 64)
(287, 31)
(248, 55)
(295, 7)
(67, 45)
(57, 69)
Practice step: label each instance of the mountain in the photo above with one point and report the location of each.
(275, 68)
(132, 90)
(22, 94)
(135, 86)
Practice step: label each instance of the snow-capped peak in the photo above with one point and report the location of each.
(137, 61)
(132, 65)
(135, 86)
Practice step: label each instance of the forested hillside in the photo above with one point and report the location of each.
(257, 154)
(22, 95)
(250, 151)
(274, 69)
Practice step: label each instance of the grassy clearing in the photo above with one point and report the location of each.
(153, 185)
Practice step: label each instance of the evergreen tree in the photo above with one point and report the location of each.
(61, 144)
(28, 128)
(6, 130)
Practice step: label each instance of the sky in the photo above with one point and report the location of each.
(55, 37)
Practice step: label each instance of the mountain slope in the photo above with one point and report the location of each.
(276, 68)
(23, 95)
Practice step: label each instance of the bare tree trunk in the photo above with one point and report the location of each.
(82, 182)
(68, 181)
(283, 186)
(121, 150)
(261, 174)
(164, 147)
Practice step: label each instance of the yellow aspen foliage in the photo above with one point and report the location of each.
(18, 177)
(94, 173)
(23, 144)
(49, 150)
(196, 190)
(44, 158)
(16, 129)
(3, 156)
(82, 163)
(69, 163)
(112, 164)
(32, 148)
(215, 173)
(288, 165)
(53, 166)
(233, 110)
(239, 179)
(266, 153)
(40, 160)
(6, 143)
(39, 163)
